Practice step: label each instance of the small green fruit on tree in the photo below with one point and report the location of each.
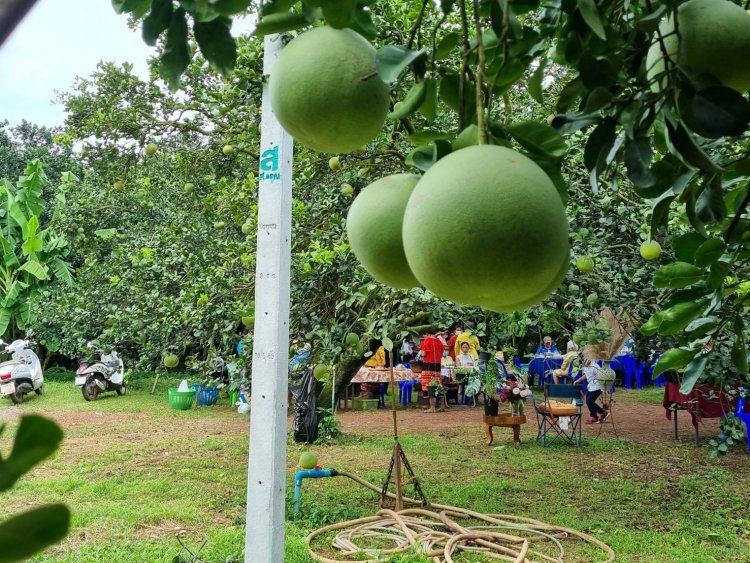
(228, 150)
(326, 92)
(592, 299)
(189, 187)
(219, 225)
(248, 320)
(334, 163)
(171, 361)
(151, 149)
(352, 339)
(650, 249)
(247, 228)
(119, 186)
(498, 206)
(308, 460)
(374, 229)
(585, 264)
(347, 190)
(321, 372)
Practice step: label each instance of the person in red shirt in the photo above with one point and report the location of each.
(458, 329)
(431, 351)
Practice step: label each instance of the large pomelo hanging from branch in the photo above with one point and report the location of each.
(485, 226)
(373, 226)
(714, 38)
(326, 92)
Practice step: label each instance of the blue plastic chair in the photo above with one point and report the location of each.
(404, 392)
(744, 417)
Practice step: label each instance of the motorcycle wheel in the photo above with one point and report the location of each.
(17, 397)
(90, 390)
(121, 389)
(40, 391)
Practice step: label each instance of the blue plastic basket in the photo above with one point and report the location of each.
(208, 396)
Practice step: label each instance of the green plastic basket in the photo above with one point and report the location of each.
(181, 400)
(365, 404)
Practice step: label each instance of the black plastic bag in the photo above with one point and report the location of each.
(305, 425)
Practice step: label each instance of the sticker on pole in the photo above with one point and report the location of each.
(269, 165)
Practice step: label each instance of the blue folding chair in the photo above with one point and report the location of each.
(744, 417)
(548, 416)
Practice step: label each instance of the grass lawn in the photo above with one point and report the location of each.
(136, 474)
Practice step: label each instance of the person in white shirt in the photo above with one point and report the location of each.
(594, 390)
(465, 359)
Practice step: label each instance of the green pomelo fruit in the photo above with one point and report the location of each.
(714, 38)
(119, 186)
(247, 228)
(347, 190)
(308, 460)
(592, 299)
(171, 361)
(320, 372)
(248, 320)
(151, 149)
(373, 226)
(189, 187)
(585, 264)
(650, 249)
(228, 150)
(358, 350)
(325, 90)
(352, 339)
(219, 225)
(334, 163)
(497, 207)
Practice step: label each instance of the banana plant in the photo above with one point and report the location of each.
(30, 255)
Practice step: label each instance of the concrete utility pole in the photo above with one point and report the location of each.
(266, 479)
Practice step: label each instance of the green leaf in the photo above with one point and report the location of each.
(279, 23)
(446, 5)
(5, 316)
(571, 122)
(718, 111)
(678, 274)
(709, 205)
(176, 55)
(568, 95)
(673, 359)
(428, 109)
(686, 148)
(35, 269)
(279, 6)
(138, 8)
(412, 102)
(363, 24)
(217, 44)
(534, 85)
(600, 141)
(387, 343)
(105, 234)
(677, 317)
(62, 271)
(709, 252)
(719, 272)
(449, 93)
(467, 138)
(339, 13)
(701, 327)
(686, 245)
(231, 7)
(427, 136)
(157, 21)
(692, 372)
(638, 156)
(660, 212)
(36, 439)
(446, 45)
(391, 60)
(539, 138)
(25, 534)
(590, 15)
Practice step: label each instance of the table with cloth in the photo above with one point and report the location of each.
(704, 401)
(373, 380)
(541, 365)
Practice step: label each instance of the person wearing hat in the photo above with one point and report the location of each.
(547, 347)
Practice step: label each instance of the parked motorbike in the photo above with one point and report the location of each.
(99, 376)
(21, 374)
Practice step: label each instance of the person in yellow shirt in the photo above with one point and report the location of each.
(568, 358)
(377, 359)
(469, 338)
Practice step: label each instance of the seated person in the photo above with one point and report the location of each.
(371, 390)
(465, 359)
(547, 347)
(562, 371)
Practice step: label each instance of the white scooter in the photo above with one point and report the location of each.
(21, 374)
(107, 374)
